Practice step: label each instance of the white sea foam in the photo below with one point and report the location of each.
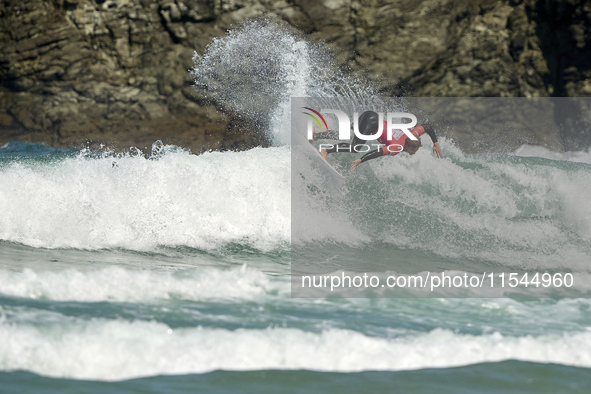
(473, 207)
(116, 284)
(115, 350)
(489, 207)
(124, 285)
(137, 203)
(540, 151)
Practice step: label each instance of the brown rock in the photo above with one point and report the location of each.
(74, 71)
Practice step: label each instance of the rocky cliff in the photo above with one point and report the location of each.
(115, 72)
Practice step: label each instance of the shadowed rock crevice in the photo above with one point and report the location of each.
(565, 33)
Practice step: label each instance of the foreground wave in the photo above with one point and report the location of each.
(115, 350)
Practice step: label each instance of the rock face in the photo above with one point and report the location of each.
(115, 72)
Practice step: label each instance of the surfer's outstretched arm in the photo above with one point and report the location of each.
(436, 148)
(374, 154)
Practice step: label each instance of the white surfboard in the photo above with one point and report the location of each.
(332, 174)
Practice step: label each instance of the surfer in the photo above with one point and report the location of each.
(368, 125)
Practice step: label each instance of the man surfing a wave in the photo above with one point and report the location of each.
(399, 141)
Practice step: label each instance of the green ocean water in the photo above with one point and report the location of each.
(171, 274)
(508, 377)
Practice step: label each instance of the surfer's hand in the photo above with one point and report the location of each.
(437, 150)
(355, 164)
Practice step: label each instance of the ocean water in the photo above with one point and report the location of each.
(170, 273)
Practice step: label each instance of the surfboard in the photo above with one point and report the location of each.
(333, 175)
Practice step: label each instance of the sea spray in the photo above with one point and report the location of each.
(255, 70)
